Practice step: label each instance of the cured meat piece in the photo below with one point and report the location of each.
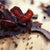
(5, 13)
(27, 16)
(17, 12)
(8, 15)
(6, 23)
(19, 15)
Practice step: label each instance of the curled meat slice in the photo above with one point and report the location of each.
(27, 16)
(17, 12)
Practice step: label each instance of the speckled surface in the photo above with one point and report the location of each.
(27, 41)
